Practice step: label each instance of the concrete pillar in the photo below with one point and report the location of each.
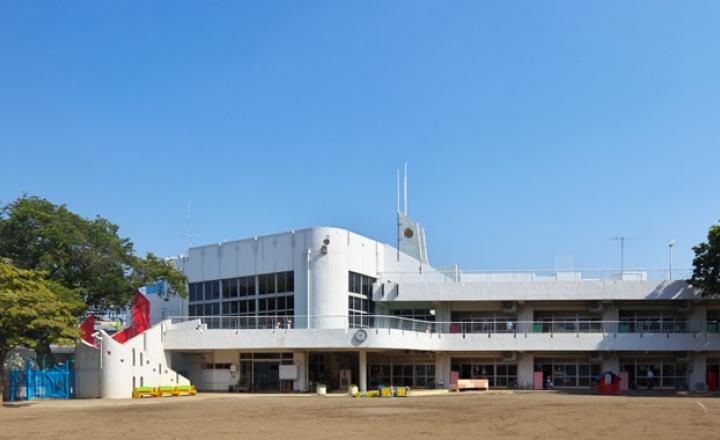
(442, 315)
(698, 317)
(442, 369)
(362, 369)
(526, 370)
(301, 361)
(697, 372)
(526, 312)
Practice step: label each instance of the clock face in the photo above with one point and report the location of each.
(361, 335)
(408, 233)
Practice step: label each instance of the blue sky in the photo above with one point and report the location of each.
(531, 129)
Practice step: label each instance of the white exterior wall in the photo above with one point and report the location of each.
(113, 366)
(321, 290)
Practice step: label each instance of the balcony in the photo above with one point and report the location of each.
(391, 332)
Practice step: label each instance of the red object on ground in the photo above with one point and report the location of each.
(608, 383)
(87, 328)
(538, 379)
(454, 377)
(712, 381)
(140, 318)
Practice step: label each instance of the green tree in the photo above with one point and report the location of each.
(706, 264)
(34, 312)
(82, 254)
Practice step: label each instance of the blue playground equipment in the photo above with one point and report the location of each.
(54, 383)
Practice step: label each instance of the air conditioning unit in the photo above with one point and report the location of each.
(509, 356)
(683, 306)
(509, 307)
(596, 356)
(595, 306)
(683, 356)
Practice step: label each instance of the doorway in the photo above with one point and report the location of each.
(266, 377)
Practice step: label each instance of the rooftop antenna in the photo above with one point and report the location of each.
(670, 245)
(398, 189)
(406, 190)
(188, 236)
(622, 239)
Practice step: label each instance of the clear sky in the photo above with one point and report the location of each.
(531, 128)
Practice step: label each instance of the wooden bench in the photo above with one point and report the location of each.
(470, 384)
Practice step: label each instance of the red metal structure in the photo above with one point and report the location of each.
(140, 321)
(608, 383)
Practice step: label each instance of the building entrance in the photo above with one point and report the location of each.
(260, 372)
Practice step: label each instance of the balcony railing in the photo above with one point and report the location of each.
(385, 322)
(535, 275)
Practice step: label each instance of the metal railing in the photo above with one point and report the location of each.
(540, 275)
(386, 322)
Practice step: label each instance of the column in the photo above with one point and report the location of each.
(362, 369)
(526, 370)
(698, 372)
(442, 369)
(300, 360)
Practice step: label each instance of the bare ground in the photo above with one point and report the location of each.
(520, 415)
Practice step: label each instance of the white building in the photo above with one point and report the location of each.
(325, 305)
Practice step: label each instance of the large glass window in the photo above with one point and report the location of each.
(237, 297)
(230, 288)
(195, 292)
(266, 283)
(415, 374)
(360, 303)
(212, 290)
(246, 286)
(652, 322)
(667, 373)
(499, 374)
(568, 372)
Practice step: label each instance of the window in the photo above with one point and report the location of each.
(406, 372)
(237, 297)
(247, 286)
(360, 303)
(285, 282)
(498, 374)
(230, 288)
(212, 290)
(195, 292)
(266, 283)
(667, 373)
(569, 372)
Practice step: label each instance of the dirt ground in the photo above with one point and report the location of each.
(519, 415)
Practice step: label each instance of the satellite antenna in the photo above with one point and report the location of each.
(622, 240)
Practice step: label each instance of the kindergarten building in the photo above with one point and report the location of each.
(289, 311)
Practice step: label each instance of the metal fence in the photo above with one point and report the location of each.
(537, 275)
(386, 322)
(54, 383)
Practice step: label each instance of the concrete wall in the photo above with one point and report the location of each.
(116, 367)
(186, 339)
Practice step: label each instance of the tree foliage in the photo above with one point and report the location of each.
(34, 312)
(85, 255)
(706, 264)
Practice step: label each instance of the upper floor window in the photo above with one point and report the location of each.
(361, 284)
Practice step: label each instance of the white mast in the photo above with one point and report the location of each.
(398, 189)
(406, 190)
